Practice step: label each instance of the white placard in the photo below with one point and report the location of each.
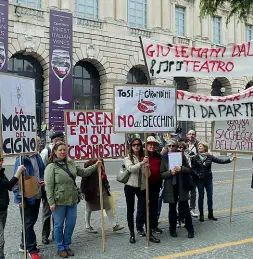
(144, 108)
(174, 159)
(166, 60)
(197, 107)
(18, 115)
(233, 136)
(90, 134)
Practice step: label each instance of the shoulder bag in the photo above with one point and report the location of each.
(123, 175)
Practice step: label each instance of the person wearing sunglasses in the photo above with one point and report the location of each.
(5, 186)
(136, 163)
(175, 192)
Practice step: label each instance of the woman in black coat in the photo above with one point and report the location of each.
(201, 165)
(5, 186)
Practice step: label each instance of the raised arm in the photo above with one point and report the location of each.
(217, 160)
(85, 172)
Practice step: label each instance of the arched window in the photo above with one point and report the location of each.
(32, 3)
(86, 86)
(136, 76)
(86, 8)
(28, 66)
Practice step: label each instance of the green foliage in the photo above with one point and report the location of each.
(242, 9)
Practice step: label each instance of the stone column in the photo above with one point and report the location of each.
(53, 4)
(121, 10)
(109, 9)
(156, 13)
(205, 29)
(66, 5)
(166, 24)
(197, 21)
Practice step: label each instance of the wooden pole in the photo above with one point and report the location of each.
(101, 207)
(23, 210)
(147, 196)
(232, 192)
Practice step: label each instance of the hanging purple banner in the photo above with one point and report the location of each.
(60, 75)
(4, 35)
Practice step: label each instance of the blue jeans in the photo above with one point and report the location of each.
(209, 190)
(63, 233)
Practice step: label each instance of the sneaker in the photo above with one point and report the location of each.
(34, 256)
(91, 230)
(194, 213)
(157, 230)
(117, 228)
(141, 233)
(178, 224)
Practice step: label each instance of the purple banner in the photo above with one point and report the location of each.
(60, 75)
(4, 35)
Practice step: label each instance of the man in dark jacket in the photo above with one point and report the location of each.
(5, 186)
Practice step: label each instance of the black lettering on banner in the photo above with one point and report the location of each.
(152, 71)
(19, 145)
(160, 66)
(19, 123)
(179, 65)
(158, 121)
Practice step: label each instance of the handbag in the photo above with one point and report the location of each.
(123, 175)
(79, 195)
(30, 186)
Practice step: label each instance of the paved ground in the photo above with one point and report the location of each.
(213, 239)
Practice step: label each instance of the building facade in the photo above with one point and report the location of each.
(106, 48)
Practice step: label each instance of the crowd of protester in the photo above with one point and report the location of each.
(57, 190)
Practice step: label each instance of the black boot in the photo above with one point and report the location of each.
(173, 233)
(132, 237)
(201, 216)
(154, 239)
(210, 215)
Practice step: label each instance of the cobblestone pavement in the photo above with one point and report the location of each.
(208, 234)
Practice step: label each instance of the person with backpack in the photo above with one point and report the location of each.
(46, 212)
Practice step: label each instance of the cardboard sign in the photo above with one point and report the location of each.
(233, 136)
(197, 107)
(144, 108)
(18, 115)
(90, 135)
(165, 60)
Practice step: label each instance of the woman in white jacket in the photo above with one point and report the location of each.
(135, 163)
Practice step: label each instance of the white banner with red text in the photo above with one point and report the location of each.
(166, 60)
(233, 136)
(90, 135)
(197, 107)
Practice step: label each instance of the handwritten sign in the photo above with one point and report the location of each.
(90, 134)
(233, 135)
(18, 115)
(196, 107)
(174, 159)
(144, 108)
(166, 60)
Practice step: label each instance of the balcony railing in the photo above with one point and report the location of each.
(140, 32)
(28, 11)
(89, 22)
(181, 40)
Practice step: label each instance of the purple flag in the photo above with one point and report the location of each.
(4, 35)
(60, 75)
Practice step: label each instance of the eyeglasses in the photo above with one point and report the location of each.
(136, 145)
(171, 146)
(181, 147)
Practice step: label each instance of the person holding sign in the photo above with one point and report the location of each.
(5, 186)
(62, 195)
(202, 165)
(175, 190)
(135, 163)
(35, 180)
(90, 189)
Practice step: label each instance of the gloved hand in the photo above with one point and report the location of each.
(21, 169)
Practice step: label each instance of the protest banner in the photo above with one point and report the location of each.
(233, 136)
(165, 60)
(18, 115)
(90, 134)
(197, 107)
(144, 108)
